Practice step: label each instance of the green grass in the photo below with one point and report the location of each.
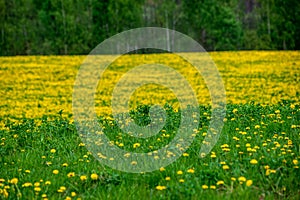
(27, 145)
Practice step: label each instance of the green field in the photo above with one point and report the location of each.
(256, 157)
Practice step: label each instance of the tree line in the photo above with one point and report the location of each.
(77, 26)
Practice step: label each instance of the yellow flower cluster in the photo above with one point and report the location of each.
(34, 86)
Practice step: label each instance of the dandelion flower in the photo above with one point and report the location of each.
(71, 174)
(242, 179)
(220, 183)
(249, 183)
(253, 162)
(191, 171)
(212, 187)
(55, 171)
(159, 187)
(204, 187)
(94, 176)
(181, 180)
(83, 178)
(185, 154)
(52, 150)
(179, 172)
(168, 178)
(14, 181)
(135, 145)
(225, 167)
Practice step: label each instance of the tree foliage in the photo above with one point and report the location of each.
(77, 26)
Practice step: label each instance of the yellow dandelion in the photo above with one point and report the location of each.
(73, 194)
(179, 172)
(242, 179)
(71, 174)
(162, 169)
(249, 183)
(160, 187)
(253, 162)
(47, 183)
(53, 150)
(204, 187)
(14, 181)
(94, 176)
(191, 171)
(225, 167)
(27, 184)
(65, 164)
(220, 183)
(212, 187)
(55, 171)
(168, 178)
(135, 145)
(185, 154)
(181, 180)
(295, 162)
(83, 178)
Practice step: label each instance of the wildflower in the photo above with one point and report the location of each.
(233, 179)
(295, 162)
(225, 167)
(61, 189)
(204, 187)
(68, 198)
(133, 162)
(14, 181)
(185, 154)
(181, 180)
(73, 194)
(55, 171)
(179, 172)
(253, 162)
(52, 150)
(5, 193)
(27, 171)
(168, 178)
(65, 165)
(71, 174)
(162, 169)
(220, 183)
(47, 183)
(37, 184)
(94, 176)
(135, 145)
(213, 156)
(242, 179)
(159, 187)
(81, 145)
(37, 189)
(83, 178)
(212, 187)
(249, 183)
(27, 184)
(191, 171)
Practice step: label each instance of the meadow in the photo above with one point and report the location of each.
(256, 157)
